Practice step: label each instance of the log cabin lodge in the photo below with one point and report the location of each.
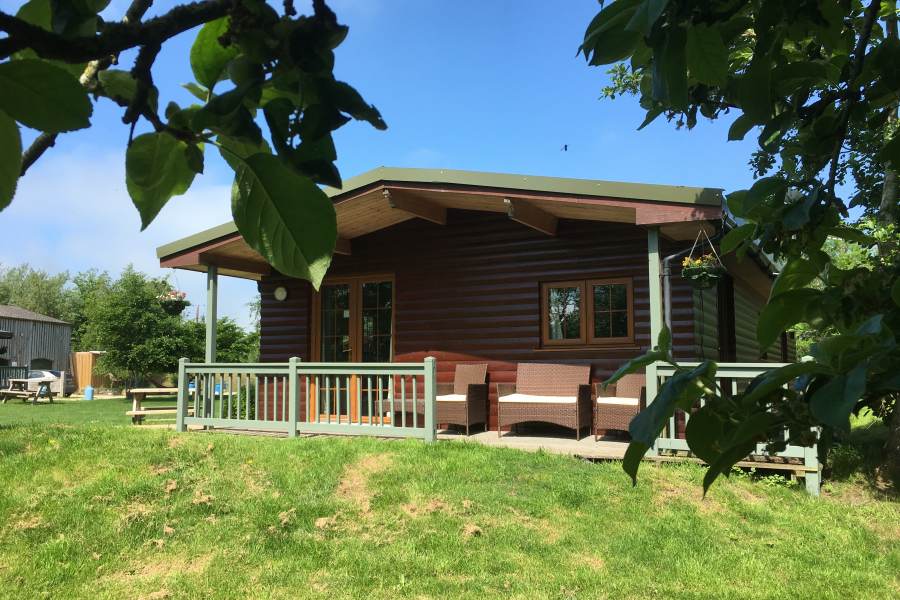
(498, 269)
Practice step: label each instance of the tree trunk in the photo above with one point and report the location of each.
(887, 214)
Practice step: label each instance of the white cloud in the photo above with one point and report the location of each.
(72, 212)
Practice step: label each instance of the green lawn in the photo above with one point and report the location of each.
(93, 510)
(102, 411)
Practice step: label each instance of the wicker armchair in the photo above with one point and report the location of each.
(618, 404)
(549, 393)
(462, 402)
(465, 401)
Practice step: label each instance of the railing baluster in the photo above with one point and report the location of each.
(380, 400)
(391, 398)
(403, 400)
(318, 401)
(415, 400)
(328, 399)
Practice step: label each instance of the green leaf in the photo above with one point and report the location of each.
(851, 234)
(891, 151)
(740, 127)
(236, 150)
(797, 215)
(833, 402)
(634, 454)
(10, 159)
(197, 91)
(754, 92)
(781, 312)
(285, 217)
(797, 273)
(348, 100)
(703, 433)
(707, 57)
(682, 389)
(122, 86)
(766, 383)
(156, 168)
(895, 292)
(634, 365)
(43, 96)
(673, 65)
(209, 58)
(193, 155)
(646, 15)
(651, 116)
(736, 237)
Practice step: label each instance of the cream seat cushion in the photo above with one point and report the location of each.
(619, 401)
(451, 398)
(540, 399)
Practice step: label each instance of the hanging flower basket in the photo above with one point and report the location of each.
(703, 272)
(174, 302)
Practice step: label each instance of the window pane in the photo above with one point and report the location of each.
(384, 322)
(384, 294)
(368, 323)
(619, 297)
(384, 348)
(564, 308)
(620, 324)
(601, 297)
(370, 295)
(601, 324)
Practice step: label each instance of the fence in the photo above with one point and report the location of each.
(7, 373)
(732, 377)
(380, 399)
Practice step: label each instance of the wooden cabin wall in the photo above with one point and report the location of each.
(469, 291)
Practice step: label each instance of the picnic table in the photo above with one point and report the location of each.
(138, 412)
(19, 388)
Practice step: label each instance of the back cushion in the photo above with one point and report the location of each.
(548, 379)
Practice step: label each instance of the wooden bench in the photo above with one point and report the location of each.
(18, 388)
(138, 395)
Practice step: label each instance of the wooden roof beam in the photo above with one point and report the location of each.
(424, 209)
(343, 246)
(531, 216)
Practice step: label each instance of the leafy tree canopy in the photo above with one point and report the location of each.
(250, 64)
(818, 84)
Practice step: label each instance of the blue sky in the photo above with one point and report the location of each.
(489, 86)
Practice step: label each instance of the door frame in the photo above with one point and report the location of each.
(355, 327)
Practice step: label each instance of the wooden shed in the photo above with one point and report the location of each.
(37, 341)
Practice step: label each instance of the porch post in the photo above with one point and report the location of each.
(182, 396)
(655, 288)
(212, 296)
(430, 402)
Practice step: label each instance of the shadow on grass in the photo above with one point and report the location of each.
(859, 454)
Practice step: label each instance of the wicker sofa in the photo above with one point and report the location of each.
(546, 392)
(618, 404)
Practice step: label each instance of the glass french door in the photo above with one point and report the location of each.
(354, 322)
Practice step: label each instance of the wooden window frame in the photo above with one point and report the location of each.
(545, 325)
(587, 339)
(629, 311)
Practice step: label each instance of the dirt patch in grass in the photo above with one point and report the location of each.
(27, 522)
(423, 509)
(354, 484)
(161, 567)
(591, 561)
(668, 487)
(135, 512)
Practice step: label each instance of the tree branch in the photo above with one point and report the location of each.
(45, 141)
(115, 38)
(859, 56)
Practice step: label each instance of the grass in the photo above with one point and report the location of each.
(93, 510)
(109, 411)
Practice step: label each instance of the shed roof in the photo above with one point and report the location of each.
(386, 196)
(8, 311)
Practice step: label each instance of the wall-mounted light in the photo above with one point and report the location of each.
(280, 293)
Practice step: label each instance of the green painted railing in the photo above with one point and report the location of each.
(7, 373)
(734, 377)
(379, 399)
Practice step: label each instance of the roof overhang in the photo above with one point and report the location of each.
(384, 197)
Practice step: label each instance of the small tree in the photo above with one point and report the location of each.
(139, 338)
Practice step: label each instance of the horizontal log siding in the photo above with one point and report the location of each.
(470, 292)
(747, 306)
(706, 324)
